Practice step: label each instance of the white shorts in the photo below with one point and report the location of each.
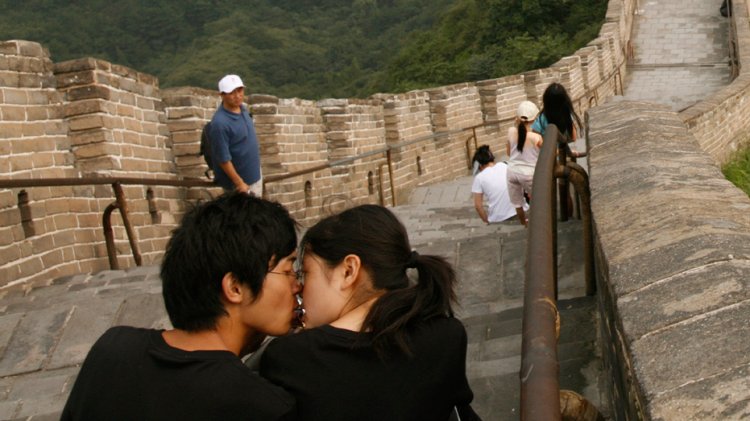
(517, 184)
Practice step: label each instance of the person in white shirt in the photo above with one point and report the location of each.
(491, 183)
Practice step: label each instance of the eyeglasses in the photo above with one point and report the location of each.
(296, 274)
(297, 271)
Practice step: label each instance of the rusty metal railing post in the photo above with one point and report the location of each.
(562, 182)
(539, 375)
(381, 192)
(580, 179)
(468, 151)
(109, 235)
(390, 176)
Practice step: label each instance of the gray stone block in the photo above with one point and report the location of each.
(707, 398)
(681, 353)
(87, 322)
(684, 296)
(34, 338)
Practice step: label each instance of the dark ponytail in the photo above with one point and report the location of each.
(521, 136)
(400, 310)
(380, 240)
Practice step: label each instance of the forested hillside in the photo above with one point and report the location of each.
(310, 48)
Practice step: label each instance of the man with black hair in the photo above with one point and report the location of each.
(491, 181)
(227, 282)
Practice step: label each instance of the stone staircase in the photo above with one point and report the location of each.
(489, 261)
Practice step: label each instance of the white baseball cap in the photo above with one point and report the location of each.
(229, 83)
(527, 110)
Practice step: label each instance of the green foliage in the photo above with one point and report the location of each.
(737, 170)
(310, 48)
(484, 39)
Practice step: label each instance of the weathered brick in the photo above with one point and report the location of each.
(144, 103)
(99, 149)
(103, 163)
(30, 145)
(88, 106)
(125, 98)
(34, 128)
(9, 79)
(88, 92)
(39, 112)
(90, 136)
(86, 236)
(86, 122)
(15, 96)
(125, 110)
(132, 124)
(13, 113)
(68, 79)
(65, 221)
(20, 163)
(43, 160)
(31, 80)
(25, 65)
(77, 65)
(30, 48)
(9, 47)
(6, 239)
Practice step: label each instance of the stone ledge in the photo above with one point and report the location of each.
(674, 236)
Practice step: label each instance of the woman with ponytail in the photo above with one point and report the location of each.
(523, 148)
(378, 344)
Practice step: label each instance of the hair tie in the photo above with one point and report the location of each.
(412, 262)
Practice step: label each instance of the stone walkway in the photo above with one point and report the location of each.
(681, 52)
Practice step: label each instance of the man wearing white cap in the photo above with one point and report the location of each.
(234, 145)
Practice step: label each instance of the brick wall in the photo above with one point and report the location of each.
(88, 117)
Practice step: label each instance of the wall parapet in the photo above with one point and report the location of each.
(673, 259)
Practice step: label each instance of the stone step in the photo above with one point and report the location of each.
(494, 357)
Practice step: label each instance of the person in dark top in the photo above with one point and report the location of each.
(378, 345)
(234, 144)
(227, 282)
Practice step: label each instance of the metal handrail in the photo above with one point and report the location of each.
(539, 375)
(93, 181)
(539, 365)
